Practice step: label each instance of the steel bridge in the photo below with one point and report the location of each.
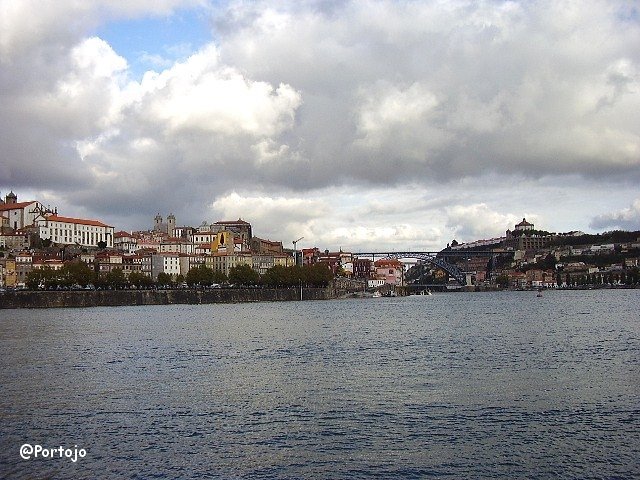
(439, 259)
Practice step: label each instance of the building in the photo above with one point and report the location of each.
(106, 262)
(524, 226)
(176, 245)
(524, 237)
(390, 270)
(138, 263)
(224, 262)
(125, 242)
(362, 268)
(226, 242)
(259, 245)
(168, 263)
(19, 240)
(9, 274)
(18, 215)
(4, 224)
(75, 231)
(239, 227)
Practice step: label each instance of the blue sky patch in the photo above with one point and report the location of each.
(156, 42)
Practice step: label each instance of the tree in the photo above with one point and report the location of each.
(78, 272)
(116, 279)
(317, 275)
(243, 275)
(219, 277)
(139, 279)
(40, 278)
(278, 276)
(502, 280)
(102, 244)
(164, 279)
(200, 275)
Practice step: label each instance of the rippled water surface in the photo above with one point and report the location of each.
(495, 385)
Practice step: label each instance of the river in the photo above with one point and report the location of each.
(464, 385)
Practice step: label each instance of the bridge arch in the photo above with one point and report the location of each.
(440, 262)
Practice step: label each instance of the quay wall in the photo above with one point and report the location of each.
(114, 298)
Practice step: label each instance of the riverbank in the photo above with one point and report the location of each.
(115, 298)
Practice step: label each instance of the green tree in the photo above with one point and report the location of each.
(200, 275)
(317, 275)
(219, 277)
(115, 279)
(278, 276)
(41, 277)
(164, 279)
(78, 272)
(243, 275)
(140, 280)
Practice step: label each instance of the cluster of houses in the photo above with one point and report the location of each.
(33, 236)
(543, 260)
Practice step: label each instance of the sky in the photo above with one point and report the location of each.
(361, 125)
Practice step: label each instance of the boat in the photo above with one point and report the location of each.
(539, 293)
(377, 294)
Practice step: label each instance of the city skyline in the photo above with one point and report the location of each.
(357, 125)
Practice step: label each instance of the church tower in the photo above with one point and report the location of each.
(11, 198)
(171, 225)
(158, 223)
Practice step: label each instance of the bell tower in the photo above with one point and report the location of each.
(171, 225)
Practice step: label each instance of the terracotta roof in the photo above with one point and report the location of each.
(12, 206)
(121, 233)
(388, 262)
(80, 221)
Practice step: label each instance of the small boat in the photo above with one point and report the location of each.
(377, 294)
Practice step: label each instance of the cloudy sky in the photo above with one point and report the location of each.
(359, 125)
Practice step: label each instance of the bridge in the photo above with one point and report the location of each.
(439, 259)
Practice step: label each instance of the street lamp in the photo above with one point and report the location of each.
(295, 251)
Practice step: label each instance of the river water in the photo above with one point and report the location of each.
(482, 385)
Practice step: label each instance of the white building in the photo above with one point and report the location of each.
(75, 231)
(20, 215)
(125, 242)
(168, 263)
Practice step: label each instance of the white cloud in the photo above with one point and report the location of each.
(355, 122)
(478, 221)
(32, 24)
(202, 94)
(626, 219)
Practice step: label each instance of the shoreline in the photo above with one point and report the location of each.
(121, 298)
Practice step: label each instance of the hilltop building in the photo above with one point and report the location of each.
(18, 215)
(524, 237)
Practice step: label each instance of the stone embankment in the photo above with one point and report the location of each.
(113, 298)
